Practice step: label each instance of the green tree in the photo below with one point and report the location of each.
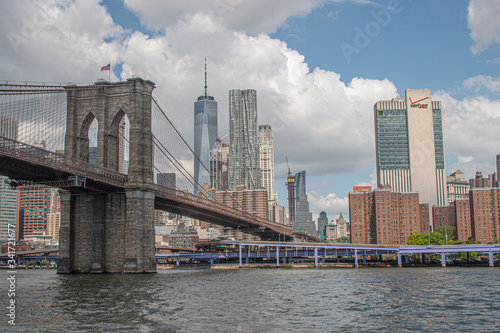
(417, 239)
(32, 263)
(343, 239)
(451, 231)
(423, 239)
(472, 255)
(472, 241)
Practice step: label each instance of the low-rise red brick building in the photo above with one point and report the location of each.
(384, 217)
(477, 216)
(485, 213)
(185, 239)
(462, 219)
(19, 246)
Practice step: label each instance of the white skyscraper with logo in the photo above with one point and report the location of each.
(409, 146)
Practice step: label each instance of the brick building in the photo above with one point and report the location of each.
(443, 215)
(485, 213)
(33, 204)
(456, 215)
(462, 219)
(19, 246)
(252, 201)
(481, 182)
(476, 217)
(185, 239)
(385, 217)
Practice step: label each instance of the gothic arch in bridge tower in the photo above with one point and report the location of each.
(111, 142)
(110, 229)
(119, 132)
(83, 141)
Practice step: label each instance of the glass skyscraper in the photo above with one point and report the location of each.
(300, 184)
(409, 146)
(205, 134)
(303, 217)
(322, 223)
(243, 164)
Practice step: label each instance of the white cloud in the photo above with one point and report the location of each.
(464, 159)
(360, 2)
(483, 24)
(254, 16)
(495, 60)
(321, 123)
(314, 115)
(471, 132)
(331, 203)
(483, 83)
(59, 40)
(334, 14)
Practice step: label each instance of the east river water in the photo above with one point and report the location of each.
(257, 300)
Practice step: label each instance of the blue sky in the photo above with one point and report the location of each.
(426, 44)
(319, 102)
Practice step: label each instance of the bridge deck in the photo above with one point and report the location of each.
(26, 162)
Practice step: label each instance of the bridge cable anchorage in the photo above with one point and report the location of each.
(255, 218)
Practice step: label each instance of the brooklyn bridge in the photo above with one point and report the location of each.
(107, 216)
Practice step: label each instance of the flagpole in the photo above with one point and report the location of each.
(109, 73)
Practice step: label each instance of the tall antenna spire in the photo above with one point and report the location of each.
(206, 90)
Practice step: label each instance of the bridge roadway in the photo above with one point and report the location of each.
(285, 250)
(24, 162)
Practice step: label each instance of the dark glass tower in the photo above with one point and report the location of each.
(205, 134)
(300, 184)
(322, 223)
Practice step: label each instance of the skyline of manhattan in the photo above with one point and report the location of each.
(323, 113)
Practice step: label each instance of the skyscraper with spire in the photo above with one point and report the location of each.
(205, 134)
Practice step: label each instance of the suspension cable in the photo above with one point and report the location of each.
(192, 152)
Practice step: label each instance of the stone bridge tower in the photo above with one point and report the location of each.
(110, 231)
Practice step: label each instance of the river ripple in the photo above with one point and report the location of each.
(258, 300)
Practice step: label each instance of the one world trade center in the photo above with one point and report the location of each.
(205, 134)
